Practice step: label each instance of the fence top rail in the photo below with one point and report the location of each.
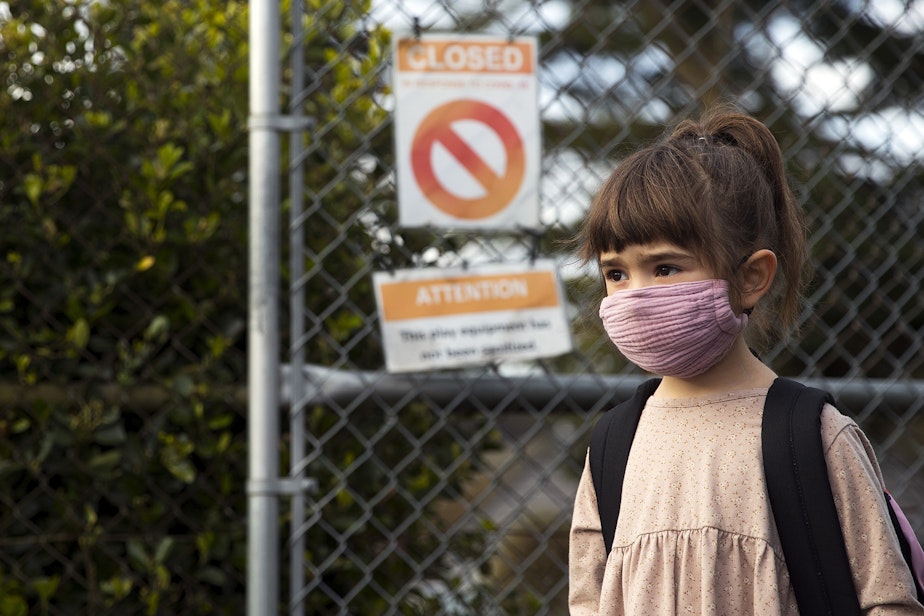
(587, 392)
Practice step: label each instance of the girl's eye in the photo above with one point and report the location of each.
(666, 270)
(614, 275)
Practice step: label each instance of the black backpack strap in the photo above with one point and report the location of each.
(610, 442)
(802, 502)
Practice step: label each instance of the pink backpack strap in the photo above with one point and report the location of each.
(915, 556)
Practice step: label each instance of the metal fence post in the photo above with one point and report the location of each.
(263, 309)
(297, 539)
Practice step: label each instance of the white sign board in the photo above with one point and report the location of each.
(440, 318)
(467, 135)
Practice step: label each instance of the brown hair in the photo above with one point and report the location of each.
(716, 187)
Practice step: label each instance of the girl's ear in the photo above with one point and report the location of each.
(756, 277)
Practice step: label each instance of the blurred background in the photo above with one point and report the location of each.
(124, 278)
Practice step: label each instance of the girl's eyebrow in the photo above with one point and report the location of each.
(667, 256)
(652, 257)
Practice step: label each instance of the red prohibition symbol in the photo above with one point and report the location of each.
(499, 190)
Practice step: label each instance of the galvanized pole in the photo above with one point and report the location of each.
(263, 310)
(297, 308)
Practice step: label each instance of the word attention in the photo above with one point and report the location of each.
(477, 291)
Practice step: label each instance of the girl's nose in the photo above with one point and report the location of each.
(639, 282)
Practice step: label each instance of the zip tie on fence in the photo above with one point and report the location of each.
(282, 485)
(282, 123)
(536, 236)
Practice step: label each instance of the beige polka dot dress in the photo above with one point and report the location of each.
(696, 532)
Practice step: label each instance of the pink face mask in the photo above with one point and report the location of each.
(679, 330)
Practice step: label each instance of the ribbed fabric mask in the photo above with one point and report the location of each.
(679, 330)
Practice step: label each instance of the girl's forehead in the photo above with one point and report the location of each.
(648, 252)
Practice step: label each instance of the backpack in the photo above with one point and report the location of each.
(797, 484)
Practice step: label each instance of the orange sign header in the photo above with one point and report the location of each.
(456, 56)
(451, 296)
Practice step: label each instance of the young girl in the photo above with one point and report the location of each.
(700, 242)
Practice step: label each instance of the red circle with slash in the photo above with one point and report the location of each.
(499, 190)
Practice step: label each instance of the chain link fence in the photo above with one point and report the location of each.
(835, 81)
(440, 492)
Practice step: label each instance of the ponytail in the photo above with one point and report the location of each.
(723, 125)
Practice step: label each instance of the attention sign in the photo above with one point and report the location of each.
(467, 131)
(438, 318)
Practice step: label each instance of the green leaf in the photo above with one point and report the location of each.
(175, 454)
(117, 586)
(98, 119)
(163, 549)
(204, 543)
(111, 435)
(46, 587)
(158, 328)
(184, 385)
(33, 186)
(13, 605)
(213, 576)
(138, 555)
(221, 421)
(79, 333)
(168, 155)
(106, 461)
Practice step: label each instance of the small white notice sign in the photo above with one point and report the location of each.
(442, 318)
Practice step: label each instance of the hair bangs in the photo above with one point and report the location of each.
(643, 202)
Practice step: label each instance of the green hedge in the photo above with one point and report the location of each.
(123, 282)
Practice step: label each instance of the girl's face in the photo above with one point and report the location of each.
(643, 265)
